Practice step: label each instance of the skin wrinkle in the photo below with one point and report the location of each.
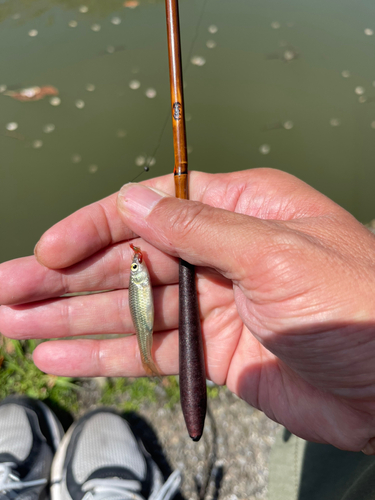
(112, 228)
(277, 258)
(183, 223)
(225, 317)
(326, 368)
(116, 230)
(122, 307)
(312, 230)
(98, 358)
(76, 275)
(228, 199)
(65, 315)
(240, 387)
(277, 376)
(227, 374)
(290, 392)
(106, 239)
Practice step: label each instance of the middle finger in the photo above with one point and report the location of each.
(102, 313)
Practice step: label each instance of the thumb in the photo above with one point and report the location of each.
(198, 233)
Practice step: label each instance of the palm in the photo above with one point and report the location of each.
(279, 292)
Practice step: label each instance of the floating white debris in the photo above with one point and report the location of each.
(359, 90)
(93, 169)
(73, 24)
(80, 104)
(289, 55)
(265, 149)
(83, 9)
(198, 61)
(211, 44)
(362, 99)
(33, 33)
(11, 126)
(140, 161)
(335, 122)
(213, 29)
(121, 133)
(116, 21)
(55, 101)
(189, 149)
(16, 16)
(275, 25)
(90, 87)
(76, 158)
(288, 125)
(345, 73)
(372, 124)
(37, 144)
(188, 117)
(110, 49)
(50, 127)
(2, 88)
(150, 93)
(134, 84)
(369, 32)
(95, 27)
(150, 161)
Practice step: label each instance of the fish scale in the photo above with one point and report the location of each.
(142, 310)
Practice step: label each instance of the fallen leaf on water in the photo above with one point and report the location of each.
(32, 93)
(131, 4)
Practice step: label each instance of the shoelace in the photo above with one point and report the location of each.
(127, 489)
(10, 481)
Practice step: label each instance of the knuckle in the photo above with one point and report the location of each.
(188, 220)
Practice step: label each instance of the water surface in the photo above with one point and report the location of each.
(269, 83)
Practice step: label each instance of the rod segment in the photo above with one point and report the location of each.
(192, 369)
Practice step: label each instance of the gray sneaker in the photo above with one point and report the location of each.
(100, 459)
(29, 436)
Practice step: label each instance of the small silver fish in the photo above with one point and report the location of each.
(141, 306)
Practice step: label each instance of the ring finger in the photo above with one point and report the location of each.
(101, 313)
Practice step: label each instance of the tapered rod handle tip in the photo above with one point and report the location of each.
(192, 366)
(196, 438)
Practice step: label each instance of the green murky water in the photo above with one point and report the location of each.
(287, 84)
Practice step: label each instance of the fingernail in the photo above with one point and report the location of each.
(36, 250)
(138, 200)
(369, 449)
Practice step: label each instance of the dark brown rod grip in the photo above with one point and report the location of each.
(192, 369)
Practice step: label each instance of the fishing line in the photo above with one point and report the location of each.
(151, 158)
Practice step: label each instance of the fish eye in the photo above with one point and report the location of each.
(134, 267)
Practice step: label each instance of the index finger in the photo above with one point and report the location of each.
(262, 193)
(88, 230)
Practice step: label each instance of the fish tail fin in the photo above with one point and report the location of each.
(151, 369)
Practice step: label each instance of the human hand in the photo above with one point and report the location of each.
(285, 279)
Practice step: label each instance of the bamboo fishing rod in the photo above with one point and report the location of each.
(192, 369)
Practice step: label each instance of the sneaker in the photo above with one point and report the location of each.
(100, 459)
(29, 436)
